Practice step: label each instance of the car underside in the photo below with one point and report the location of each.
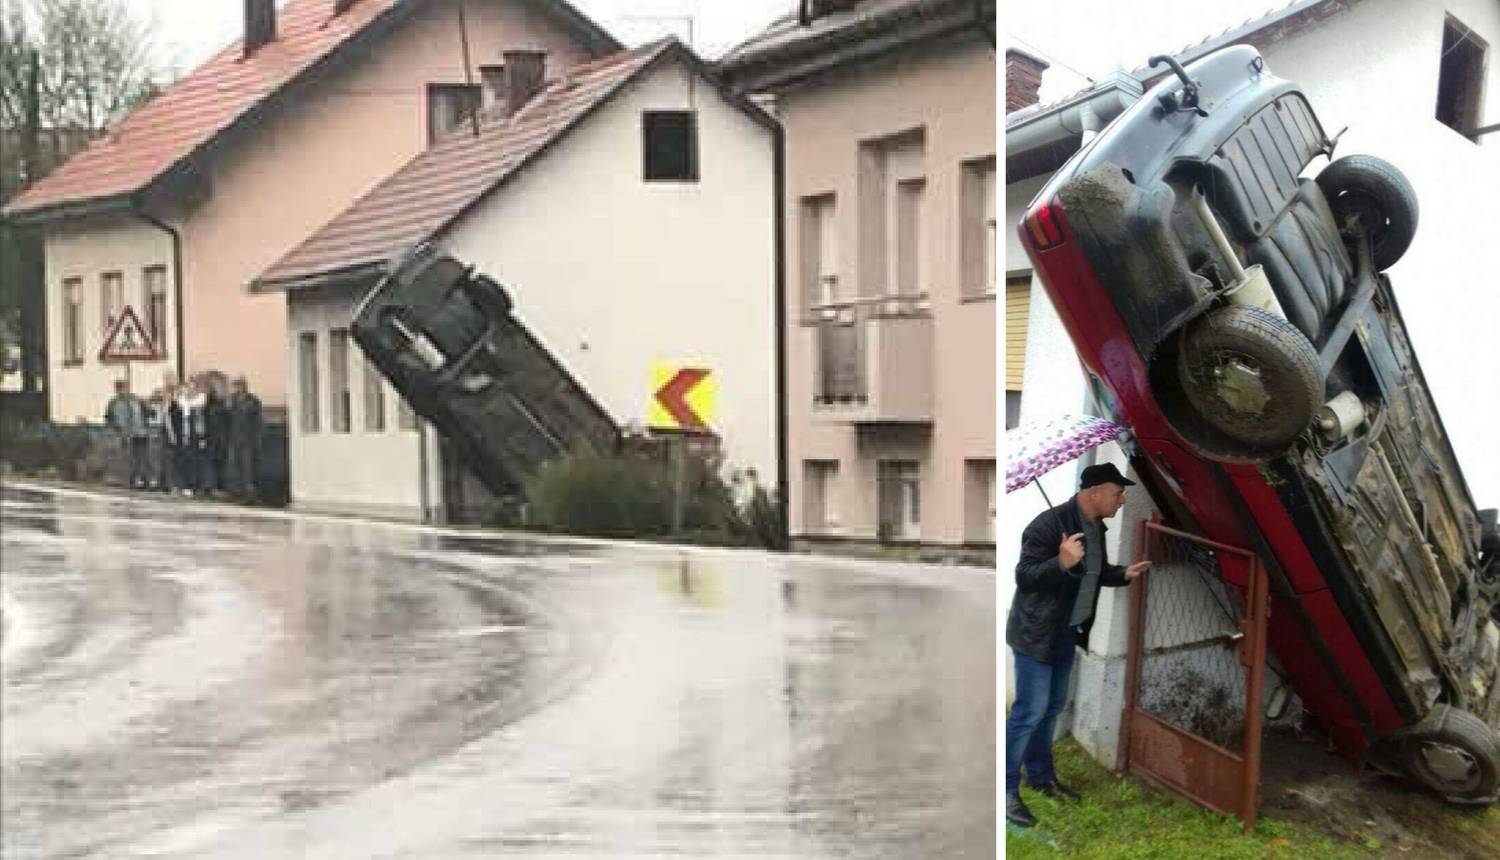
(1236, 315)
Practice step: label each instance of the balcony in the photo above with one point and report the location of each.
(872, 360)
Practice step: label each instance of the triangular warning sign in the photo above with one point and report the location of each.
(127, 339)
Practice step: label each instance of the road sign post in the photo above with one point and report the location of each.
(681, 408)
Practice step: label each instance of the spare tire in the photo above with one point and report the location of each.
(1250, 376)
(1372, 194)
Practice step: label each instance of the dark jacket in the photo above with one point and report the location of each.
(1038, 611)
(245, 421)
(217, 421)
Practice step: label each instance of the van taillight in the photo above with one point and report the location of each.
(1045, 226)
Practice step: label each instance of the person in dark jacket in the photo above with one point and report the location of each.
(245, 425)
(217, 421)
(1063, 564)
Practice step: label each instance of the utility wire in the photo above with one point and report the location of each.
(1048, 55)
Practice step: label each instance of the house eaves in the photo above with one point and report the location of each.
(187, 169)
(788, 53)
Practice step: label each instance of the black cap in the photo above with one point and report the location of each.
(1103, 473)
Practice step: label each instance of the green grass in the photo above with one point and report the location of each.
(1121, 818)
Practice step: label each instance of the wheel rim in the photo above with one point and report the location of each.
(1447, 768)
(1364, 210)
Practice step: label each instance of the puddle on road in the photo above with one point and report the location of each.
(417, 695)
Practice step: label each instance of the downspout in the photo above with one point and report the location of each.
(141, 212)
(778, 194)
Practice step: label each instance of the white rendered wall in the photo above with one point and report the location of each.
(613, 274)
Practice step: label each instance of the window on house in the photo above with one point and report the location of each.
(374, 399)
(154, 302)
(819, 479)
(820, 281)
(307, 367)
(338, 379)
(1460, 78)
(907, 241)
(448, 105)
(891, 186)
(406, 417)
(977, 199)
(898, 495)
(111, 299)
(493, 79)
(1017, 324)
(979, 501)
(671, 146)
(73, 320)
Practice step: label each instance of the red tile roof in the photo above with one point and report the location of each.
(439, 185)
(195, 110)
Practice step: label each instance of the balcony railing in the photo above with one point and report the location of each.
(872, 359)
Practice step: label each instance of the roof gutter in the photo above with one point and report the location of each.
(862, 39)
(352, 274)
(140, 211)
(112, 205)
(1086, 114)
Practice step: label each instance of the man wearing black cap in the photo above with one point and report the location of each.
(1063, 564)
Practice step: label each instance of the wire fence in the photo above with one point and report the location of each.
(1191, 674)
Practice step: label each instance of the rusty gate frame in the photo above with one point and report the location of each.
(1216, 778)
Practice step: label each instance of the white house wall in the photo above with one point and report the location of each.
(125, 245)
(1374, 69)
(359, 471)
(614, 274)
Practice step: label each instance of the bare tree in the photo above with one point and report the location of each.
(69, 69)
(94, 55)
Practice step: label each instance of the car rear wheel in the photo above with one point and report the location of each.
(1455, 755)
(1250, 376)
(1371, 193)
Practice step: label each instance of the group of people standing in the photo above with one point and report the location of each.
(191, 438)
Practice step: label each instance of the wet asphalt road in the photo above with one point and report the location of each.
(188, 680)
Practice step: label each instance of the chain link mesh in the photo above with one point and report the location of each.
(1190, 671)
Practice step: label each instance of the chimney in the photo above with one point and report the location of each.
(1023, 79)
(524, 73)
(260, 24)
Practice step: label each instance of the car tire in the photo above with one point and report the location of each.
(1455, 754)
(1250, 376)
(1372, 192)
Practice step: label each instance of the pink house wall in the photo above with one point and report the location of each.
(310, 162)
(949, 92)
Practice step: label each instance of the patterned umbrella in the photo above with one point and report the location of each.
(1036, 449)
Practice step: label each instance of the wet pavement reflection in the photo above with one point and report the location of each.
(188, 680)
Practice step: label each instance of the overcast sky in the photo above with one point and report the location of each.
(1080, 38)
(188, 31)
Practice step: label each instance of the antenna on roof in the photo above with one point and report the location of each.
(689, 20)
(471, 105)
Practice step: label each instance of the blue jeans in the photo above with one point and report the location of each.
(1041, 694)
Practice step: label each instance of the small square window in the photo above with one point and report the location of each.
(671, 146)
(1460, 78)
(448, 106)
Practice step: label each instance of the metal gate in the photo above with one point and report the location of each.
(1195, 675)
